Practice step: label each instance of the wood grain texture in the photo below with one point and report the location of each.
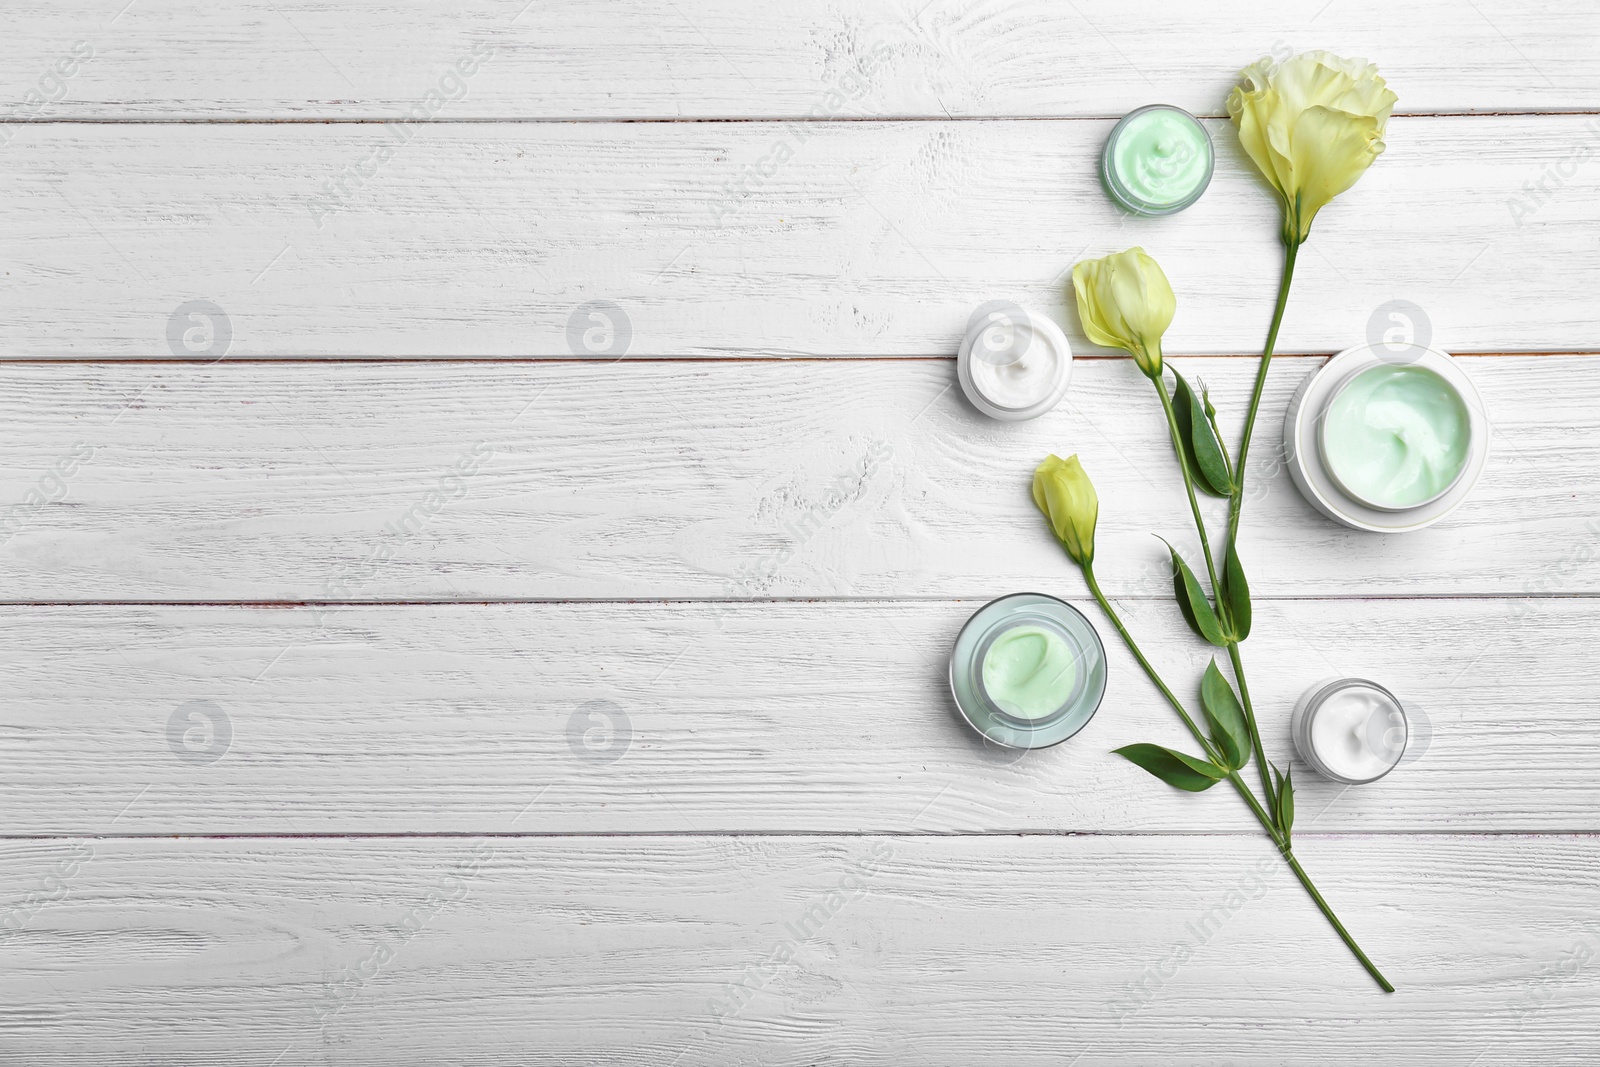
(707, 58)
(730, 480)
(485, 239)
(662, 707)
(793, 717)
(1135, 951)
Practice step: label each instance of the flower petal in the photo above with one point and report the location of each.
(1330, 151)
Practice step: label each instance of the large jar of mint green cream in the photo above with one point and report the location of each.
(1387, 441)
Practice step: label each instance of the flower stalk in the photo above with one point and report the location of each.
(1236, 497)
(1312, 125)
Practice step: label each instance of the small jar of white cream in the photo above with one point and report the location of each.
(1013, 364)
(1351, 730)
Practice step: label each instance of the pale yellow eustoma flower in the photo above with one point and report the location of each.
(1067, 497)
(1312, 124)
(1125, 301)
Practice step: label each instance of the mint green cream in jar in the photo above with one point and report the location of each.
(1396, 436)
(1027, 671)
(1157, 161)
(1386, 440)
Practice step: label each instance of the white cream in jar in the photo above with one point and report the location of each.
(1013, 364)
(1350, 730)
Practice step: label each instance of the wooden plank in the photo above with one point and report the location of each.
(874, 950)
(485, 239)
(788, 717)
(702, 58)
(718, 480)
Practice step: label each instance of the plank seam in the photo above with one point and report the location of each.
(754, 601)
(454, 835)
(811, 120)
(295, 360)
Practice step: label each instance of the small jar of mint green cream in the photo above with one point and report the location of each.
(1157, 161)
(1386, 441)
(1028, 671)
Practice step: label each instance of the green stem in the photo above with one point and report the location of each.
(1327, 912)
(1233, 649)
(1260, 813)
(1266, 821)
(1255, 730)
(1236, 498)
(1188, 485)
(1150, 672)
(1279, 840)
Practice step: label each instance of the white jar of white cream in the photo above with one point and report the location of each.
(1351, 730)
(1013, 364)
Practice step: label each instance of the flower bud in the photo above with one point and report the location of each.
(1125, 301)
(1067, 497)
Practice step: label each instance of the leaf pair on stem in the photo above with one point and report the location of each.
(1230, 747)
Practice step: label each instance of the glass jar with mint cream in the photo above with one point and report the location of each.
(1157, 161)
(1028, 671)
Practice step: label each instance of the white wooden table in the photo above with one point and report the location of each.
(385, 685)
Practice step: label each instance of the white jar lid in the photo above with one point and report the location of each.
(1302, 448)
(1003, 339)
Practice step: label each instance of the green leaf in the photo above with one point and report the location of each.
(1236, 593)
(1174, 768)
(1197, 610)
(1203, 452)
(1286, 801)
(1183, 410)
(1225, 717)
(1211, 417)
